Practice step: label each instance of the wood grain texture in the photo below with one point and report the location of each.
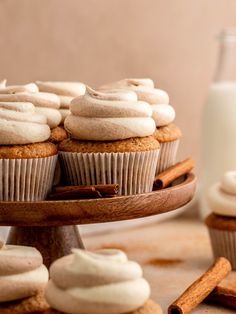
(52, 242)
(72, 212)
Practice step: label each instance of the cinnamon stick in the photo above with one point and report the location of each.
(201, 288)
(78, 191)
(222, 296)
(165, 178)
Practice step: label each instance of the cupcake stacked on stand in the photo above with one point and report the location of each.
(167, 133)
(27, 160)
(111, 142)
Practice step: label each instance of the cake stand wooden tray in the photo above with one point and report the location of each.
(51, 227)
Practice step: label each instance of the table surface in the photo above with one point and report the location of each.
(173, 254)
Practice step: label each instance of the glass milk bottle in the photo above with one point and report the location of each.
(219, 118)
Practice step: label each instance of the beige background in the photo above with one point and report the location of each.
(96, 41)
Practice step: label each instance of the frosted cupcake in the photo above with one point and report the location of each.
(23, 279)
(222, 222)
(66, 91)
(167, 134)
(27, 162)
(110, 142)
(46, 104)
(103, 282)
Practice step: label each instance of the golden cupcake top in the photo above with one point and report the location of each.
(135, 144)
(167, 133)
(101, 116)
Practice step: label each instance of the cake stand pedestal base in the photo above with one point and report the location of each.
(52, 242)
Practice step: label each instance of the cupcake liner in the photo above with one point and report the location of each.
(57, 174)
(26, 179)
(167, 156)
(224, 244)
(133, 171)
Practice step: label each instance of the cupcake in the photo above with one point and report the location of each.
(66, 91)
(27, 162)
(167, 133)
(46, 104)
(221, 223)
(110, 143)
(98, 283)
(23, 279)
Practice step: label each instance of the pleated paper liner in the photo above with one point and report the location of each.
(224, 244)
(167, 156)
(26, 179)
(133, 171)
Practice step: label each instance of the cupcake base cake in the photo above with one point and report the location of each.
(28, 171)
(131, 163)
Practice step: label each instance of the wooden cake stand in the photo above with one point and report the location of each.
(50, 226)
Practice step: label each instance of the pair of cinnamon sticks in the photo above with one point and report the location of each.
(205, 289)
(89, 191)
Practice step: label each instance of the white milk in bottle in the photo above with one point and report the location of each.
(219, 119)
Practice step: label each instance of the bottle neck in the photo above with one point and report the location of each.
(226, 69)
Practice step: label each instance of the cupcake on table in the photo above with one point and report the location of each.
(103, 282)
(27, 160)
(221, 223)
(111, 142)
(23, 279)
(167, 133)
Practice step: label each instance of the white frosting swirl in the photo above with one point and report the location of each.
(62, 88)
(20, 124)
(64, 106)
(65, 101)
(163, 114)
(144, 88)
(221, 196)
(96, 283)
(25, 274)
(100, 116)
(45, 103)
(12, 89)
